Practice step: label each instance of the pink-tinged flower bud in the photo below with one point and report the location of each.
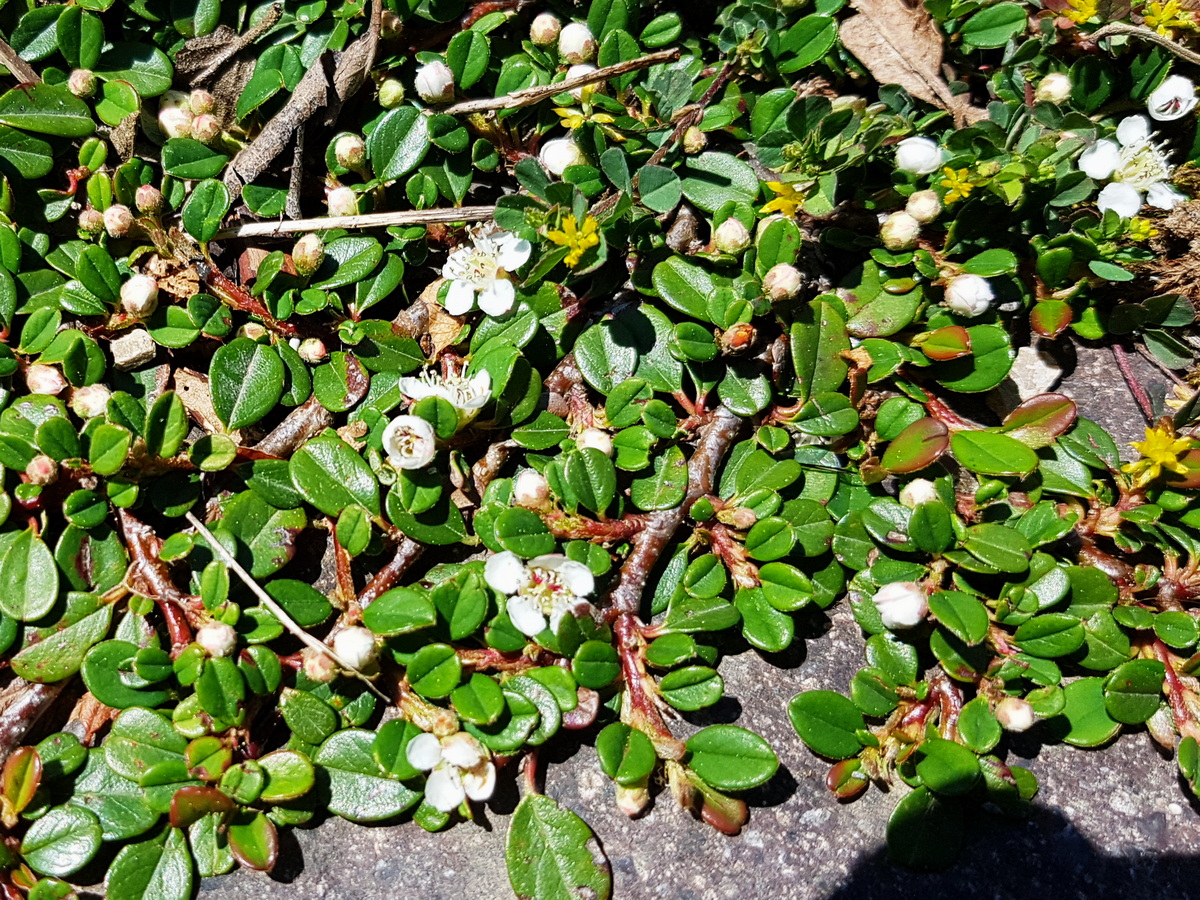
(149, 200)
(918, 491)
(1173, 99)
(899, 231)
(256, 331)
(694, 141)
(732, 237)
(312, 350)
(391, 93)
(356, 647)
(632, 800)
(42, 470)
(201, 102)
(576, 44)
(82, 83)
(44, 380)
(597, 439)
(740, 517)
(1054, 88)
(118, 220)
(317, 666)
(342, 201)
(217, 638)
(531, 489)
(206, 128)
(968, 295)
(435, 82)
(139, 296)
(556, 155)
(544, 29)
(1015, 714)
(175, 122)
(390, 25)
(91, 221)
(90, 401)
(308, 254)
(350, 151)
(924, 206)
(782, 282)
(901, 604)
(575, 72)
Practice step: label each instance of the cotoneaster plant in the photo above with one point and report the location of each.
(391, 387)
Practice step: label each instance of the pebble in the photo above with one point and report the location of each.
(133, 350)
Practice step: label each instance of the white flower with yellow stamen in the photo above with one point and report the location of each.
(466, 393)
(479, 273)
(409, 442)
(1137, 171)
(459, 767)
(544, 589)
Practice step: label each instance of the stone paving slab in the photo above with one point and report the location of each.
(1108, 823)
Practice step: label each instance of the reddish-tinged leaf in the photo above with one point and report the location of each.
(1049, 318)
(846, 779)
(946, 343)
(192, 803)
(916, 447)
(254, 841)
(1039, 420)
(21, 776)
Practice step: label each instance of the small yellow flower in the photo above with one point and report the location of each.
(1141, 229)
(1160, 450)
(577, 238)
(958, 183)
(571, 118)
(1081, 11)
(1164, 17)
(787, 200)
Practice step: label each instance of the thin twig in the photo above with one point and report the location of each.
(694, 115)
(369, 220)
(305, 638)
(21, 70)
(530, 96)
(1135, 386)
(1146, 34)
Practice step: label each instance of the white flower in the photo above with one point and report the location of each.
(479, 273)
(1015, 714)
(409, 442)
(217, 638)
(899, 231)
(459, 767)
(467, 394)
(355, 646)
(90, 401)
(139, 296)
(547, 586)
(918, 491)
(918, 155)
(1054, 88)
(556, 155)
(435, 82)
(175, 122)
(1173, 99)
(42, 379)
(342, 201)
(901, 604)
(924, 206)
(968, 295)
(1138, 171)
(576, 43)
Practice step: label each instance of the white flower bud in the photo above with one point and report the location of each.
(118, 220)
(901, 604)
(1173, 99)
(256, 331)
(342, 202)
(849, 101)
(175, 100)
(308, 253)
(217, 638)
(312, 350)
(918, 491)
(91, 220)
(575, 72)
(91, 401)
(924, 206)
(82, 83)
(556, 155)
(201, 101)
(139, 296)
(531, 489)
(782, 282)
(732, 237)
(968, 295)
(206, 128)
(435, 82)
(44, 380)
(544, 29)
(318, 666)
(597, 439)
(175, 122)
(355, 646)
(42, 470)
(576, 44)
(1054, 88)
(1015, 714)
(632, 800)
(694, 141)
(350, 151)
(918, 155)
(409, 442)
(899, 231)
(391, 93)
(149, 200)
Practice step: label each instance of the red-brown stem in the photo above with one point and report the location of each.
(29, 700)
(567, 527)
(237, 297)
(406, 554)
(938, 409)
(1175, 692)
(951, 700)
(638, 707)
(1131, 380)
(179, 610)
(733, 554)
(487, 659)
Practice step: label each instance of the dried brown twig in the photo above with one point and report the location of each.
(369, 220)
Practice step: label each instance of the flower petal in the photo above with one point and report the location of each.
(424, 751)
(1122, 199)
(409, 442)
(498, 297)
(460, 299)
(444, 789)
(504, 572)
(566, 605)
(1133, 130)
(480, 782)
(526, 615)
(462, 750)
(1163, 196)
(514, 252)
(1100, 160)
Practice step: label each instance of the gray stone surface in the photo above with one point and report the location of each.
(1108, 823)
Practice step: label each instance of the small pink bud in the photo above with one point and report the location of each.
(206, 128)
(318, 666)
(740, 517)
(149, 200)
(308, 253)
(342, 202)
(356, 647)
(44, 380)
(217, 638)
(597, 439)
(901, 604)
(1015, 714)
(312, 350)
(632, 800)
(91, 401)
(42, 470)
(435, 82)
(545, 29)
(139, 296)
(531, 489)
(118, 220)
(732, 237)
(576, 44)
(201, 102)
(782, 282)
(918, 491)
(391, 93)
(899, 232)
(82, 83)
(350, 151)
(91, 221)
(175, 122)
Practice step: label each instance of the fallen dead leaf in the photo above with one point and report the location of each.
(192, 388)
